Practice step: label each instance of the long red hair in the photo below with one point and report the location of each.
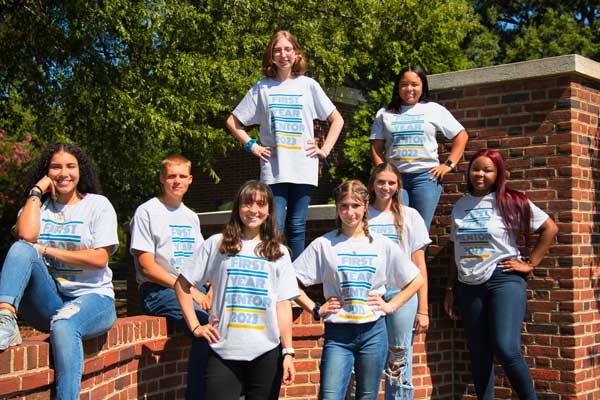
(512, 205)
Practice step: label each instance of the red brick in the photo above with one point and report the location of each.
(34, 380)
(10, 385)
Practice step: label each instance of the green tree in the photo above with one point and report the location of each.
(528, 29)
(131, 81)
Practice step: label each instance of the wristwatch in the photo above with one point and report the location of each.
(450, 164)
(35, 192)
(288, 351)
(315, 311)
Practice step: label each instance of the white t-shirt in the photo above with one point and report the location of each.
(410, 142)
(90, 223)
(246, 289)
(350, 268)
(285, 112)
(481, 240)
(171, 234)
(414, 232)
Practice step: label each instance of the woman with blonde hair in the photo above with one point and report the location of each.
(354, 265)
(404, 225)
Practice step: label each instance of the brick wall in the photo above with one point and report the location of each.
(546, 128)
(140, 357)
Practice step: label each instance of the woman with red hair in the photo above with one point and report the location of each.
(492, 273)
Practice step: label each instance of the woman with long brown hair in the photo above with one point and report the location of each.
(253, 282)
(56, 276)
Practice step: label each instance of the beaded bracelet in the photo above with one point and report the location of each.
(249, 145)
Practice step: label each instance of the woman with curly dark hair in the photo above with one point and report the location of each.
(253, 282)
(56, 276)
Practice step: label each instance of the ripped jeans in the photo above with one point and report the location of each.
(398, 369)
(26, 284)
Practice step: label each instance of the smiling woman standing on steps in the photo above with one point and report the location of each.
(57, 276)
(250, 329)
(284, 105)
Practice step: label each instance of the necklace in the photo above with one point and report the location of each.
(61, 215)
(62, 209)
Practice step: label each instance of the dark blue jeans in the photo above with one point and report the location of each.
(292, 220)
(161, 301)
(492, 314)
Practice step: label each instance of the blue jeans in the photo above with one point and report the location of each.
(293, 222)
(161, 301)
(360, 345)
(398, 370)
(492, 314)
(422, 193)
(26, 284)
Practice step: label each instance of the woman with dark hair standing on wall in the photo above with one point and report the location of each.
(57, 276)
(404, 133)
(284, 105)
(492, 273)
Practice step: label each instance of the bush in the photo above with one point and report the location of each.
(357, 154)
(16, 156)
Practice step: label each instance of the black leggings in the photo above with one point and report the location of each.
(259, 379)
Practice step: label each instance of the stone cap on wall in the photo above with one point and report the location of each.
(571, 63)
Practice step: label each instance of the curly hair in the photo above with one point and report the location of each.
(357, 191)
(88, 179)
(270, 239)
(268, 66)
(396, 198)
(396, 103)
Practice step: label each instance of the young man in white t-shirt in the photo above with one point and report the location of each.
(165, 234)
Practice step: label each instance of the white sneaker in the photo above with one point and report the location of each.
(9, 331)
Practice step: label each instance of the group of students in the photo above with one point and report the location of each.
(235, 290)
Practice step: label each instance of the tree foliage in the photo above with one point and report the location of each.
(525, 30)
(131, 81)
